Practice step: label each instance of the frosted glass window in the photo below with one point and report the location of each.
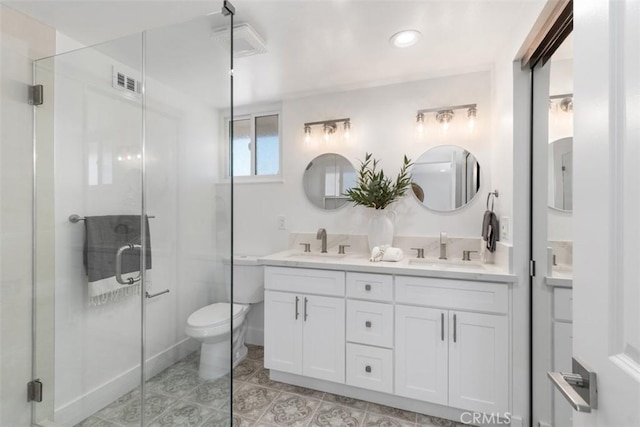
(242, 147)
(256, 145)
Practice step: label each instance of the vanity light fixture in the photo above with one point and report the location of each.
(566, 104)
(329, 128)
(444, 115)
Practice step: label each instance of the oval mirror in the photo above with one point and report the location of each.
(445, 178)
(560, 174)
(326, 179)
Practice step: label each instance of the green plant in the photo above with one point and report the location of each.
(374, 189)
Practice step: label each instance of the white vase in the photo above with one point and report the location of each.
(381, 227)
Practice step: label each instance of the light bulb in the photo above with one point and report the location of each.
(119, 158)
(347, 129)
(445, 126)
(307, 134)
(420, 122)
(129, 157)
(139, 156)
(472, 112)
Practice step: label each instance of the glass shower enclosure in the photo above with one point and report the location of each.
(132, 220)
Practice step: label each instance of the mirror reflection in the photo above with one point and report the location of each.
(560, 174)
(445, 178)
(326, 179)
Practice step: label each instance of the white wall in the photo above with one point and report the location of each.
(22, 40)
(383, 123)
(97, 348)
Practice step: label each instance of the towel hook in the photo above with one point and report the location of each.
(495, 194)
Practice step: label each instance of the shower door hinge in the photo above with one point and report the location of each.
(34, 391)
(532, 268)
(36, 95)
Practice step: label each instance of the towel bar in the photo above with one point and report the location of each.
(490, 199)
(77, 218)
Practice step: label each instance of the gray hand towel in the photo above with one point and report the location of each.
(104, 235)
(490, 230)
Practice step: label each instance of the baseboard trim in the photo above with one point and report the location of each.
(97, 398)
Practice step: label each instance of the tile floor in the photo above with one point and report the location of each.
(177, 397)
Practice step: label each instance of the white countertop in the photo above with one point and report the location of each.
(449, 269)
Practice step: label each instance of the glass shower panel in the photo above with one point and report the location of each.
(88, 194)
(187, 98)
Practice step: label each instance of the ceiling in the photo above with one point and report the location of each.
(313, 46)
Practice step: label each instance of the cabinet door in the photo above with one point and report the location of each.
(323, 345)
(478, 362)
(283, 332)
(421, 353)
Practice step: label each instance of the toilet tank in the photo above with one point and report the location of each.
(248, 279)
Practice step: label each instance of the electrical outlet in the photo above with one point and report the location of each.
(504, 228)
(282, 222)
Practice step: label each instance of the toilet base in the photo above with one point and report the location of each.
(215, 358)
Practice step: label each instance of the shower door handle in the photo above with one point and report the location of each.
(129, 280)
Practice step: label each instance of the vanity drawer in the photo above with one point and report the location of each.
(370, 367)
(562, 304)
(376, 287)
(304, 280)
(370, 323)
(454, 294)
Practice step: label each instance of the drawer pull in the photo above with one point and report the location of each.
(297, 312)
(367, 324)
(367, 369)
(367, 287)
(441, 326)
(305, 308)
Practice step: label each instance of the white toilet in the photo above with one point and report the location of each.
(211, 324)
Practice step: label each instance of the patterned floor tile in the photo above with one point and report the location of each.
(346, 401)
(377, 420)
(392, 412)
(212, 394)
(182, 414)
(218, 419)
(291, 410)
(251, 401)
(241, 422)
(246, 369)
(95, 422)
(262, 378)
(176, 383)
(126, 410)
(429, 421)
(331, 415)
(315, 394)
(191, 362)
(256, 352)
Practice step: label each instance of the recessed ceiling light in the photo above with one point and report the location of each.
(405, 38)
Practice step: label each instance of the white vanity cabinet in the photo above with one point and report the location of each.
(305, 332)
(446, 354)
(442, 341)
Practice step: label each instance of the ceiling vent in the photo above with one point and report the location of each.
(246, 41)
(126, 83)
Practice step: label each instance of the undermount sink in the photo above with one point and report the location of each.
(444, 264)
(317, 255)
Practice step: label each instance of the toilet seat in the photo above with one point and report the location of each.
(214, 319)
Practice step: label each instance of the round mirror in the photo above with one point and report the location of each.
(560, 174)
(326, 179)
(445, 178)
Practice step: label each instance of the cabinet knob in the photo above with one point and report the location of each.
(367, 324)
(367, 287)
(367, 368)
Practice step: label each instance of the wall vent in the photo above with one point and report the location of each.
(246, 41)
(126, 83)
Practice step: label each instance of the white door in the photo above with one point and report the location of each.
(283, 332)
(422, 353)
(607, 206)
(478, 361)
(323, 344)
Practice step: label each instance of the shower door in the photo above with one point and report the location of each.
(128, 149)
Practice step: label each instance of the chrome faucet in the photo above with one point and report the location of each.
(322, 235)
(443, 245)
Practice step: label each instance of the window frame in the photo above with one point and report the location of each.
(252, 115)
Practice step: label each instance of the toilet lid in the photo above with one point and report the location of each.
(214, 314)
